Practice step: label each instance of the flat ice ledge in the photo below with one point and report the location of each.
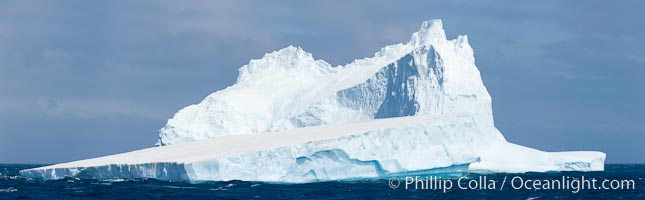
(444, 144)
(512, 158)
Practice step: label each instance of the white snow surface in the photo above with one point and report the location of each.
(413, 107)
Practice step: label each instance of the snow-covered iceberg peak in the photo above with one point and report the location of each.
(288, 89)
(290, 58)
(430, 32)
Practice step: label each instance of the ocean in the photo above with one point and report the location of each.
(618, 181)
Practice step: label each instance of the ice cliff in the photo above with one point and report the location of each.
(417, 107)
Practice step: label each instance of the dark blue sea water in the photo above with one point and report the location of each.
(13, 186)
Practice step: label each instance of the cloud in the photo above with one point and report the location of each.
(84, 108)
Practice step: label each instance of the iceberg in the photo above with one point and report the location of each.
(413, 108)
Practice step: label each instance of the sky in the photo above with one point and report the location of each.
(80, 79)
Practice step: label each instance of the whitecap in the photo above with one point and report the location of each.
(9, 190)
(217, 189)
